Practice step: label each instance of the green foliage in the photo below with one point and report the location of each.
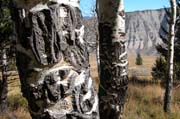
(5, 23)
(139, 60)
(159, 69)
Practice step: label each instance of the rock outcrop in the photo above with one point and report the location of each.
(142, 30)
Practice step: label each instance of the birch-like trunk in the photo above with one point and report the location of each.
(3, 82)
(97, 54)
(52, 60)
(169, 84)
(113, 58)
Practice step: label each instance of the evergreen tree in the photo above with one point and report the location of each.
(139, 60)
(159, 70)
(5, 35)
(170, 49)
(163, 48)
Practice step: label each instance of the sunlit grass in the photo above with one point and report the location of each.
(146, 102)
(143, 102)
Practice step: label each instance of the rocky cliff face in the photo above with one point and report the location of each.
(142, 28)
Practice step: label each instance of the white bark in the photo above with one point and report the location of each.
(169, 85)
(113, 58)
(35, 5)
(52, 60)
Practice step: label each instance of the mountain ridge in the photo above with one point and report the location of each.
(142, 30)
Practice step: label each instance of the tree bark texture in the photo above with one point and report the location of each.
(52, 61)
(113, 58)
(169, 84)
(3, 83)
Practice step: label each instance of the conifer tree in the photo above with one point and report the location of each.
(139, 60)
(5, 43)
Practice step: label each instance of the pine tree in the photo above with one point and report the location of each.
(163, 48)
(139, 60)
(5, 42)
(159, 69)
(170, 49)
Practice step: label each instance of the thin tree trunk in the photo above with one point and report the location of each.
(169, 85)
(52, 61)
(97, 54)
(97, 40)
(3, 83)
(113, 58)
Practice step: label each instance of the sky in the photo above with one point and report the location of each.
(130, 5)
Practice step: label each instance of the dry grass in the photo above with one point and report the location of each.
(94, 70)
(142, 72)
(20, 113)
(147, 103)
(93, 65)
(17, 104)
(143, 102)
(14, 85)
(148, 61)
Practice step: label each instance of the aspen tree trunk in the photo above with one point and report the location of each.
(169, 84)
(52, 60)
(3, 83)
(97, 40)
(113, 58)
(97, 54)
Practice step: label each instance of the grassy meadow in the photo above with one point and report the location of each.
(146, 102)
(143, 101)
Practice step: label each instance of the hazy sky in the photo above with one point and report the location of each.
(130, 5)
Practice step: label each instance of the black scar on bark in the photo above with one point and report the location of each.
(41, 34)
